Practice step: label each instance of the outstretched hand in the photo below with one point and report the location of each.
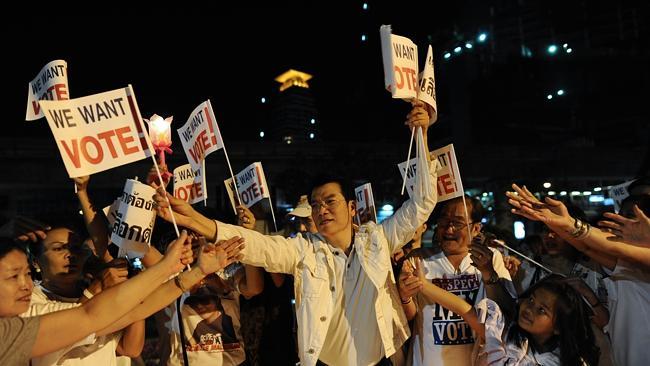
(418, 116)
(632, 231)
(81, 182)
(215, 257)
(183, 211)
(26, 229)
(551, 212)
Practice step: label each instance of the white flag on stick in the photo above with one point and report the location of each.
(427, 89)
(400, 58)
(250, 185)
(51, 83)
(449, 184)
(189, 185)
(134, 219)
(97, 132)
(366, 209)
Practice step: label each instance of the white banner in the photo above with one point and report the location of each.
(97, 132)
(400, 58)
(188, 184)
(200, 135)
(449, 183)
(366, 209)
(427, 90)
(133, 222)
(618, 193)
(251, 184)
(51, 83)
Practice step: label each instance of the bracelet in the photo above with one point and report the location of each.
(89, 295)
(581, 229)
(179, 283)
(407, 302)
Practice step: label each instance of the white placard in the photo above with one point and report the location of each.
(449, 184)
(134, 219)
(188, 184)
(51, 83)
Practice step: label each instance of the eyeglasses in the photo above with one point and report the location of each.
(456, 225)
(329, 204)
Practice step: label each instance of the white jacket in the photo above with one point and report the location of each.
(308, 259)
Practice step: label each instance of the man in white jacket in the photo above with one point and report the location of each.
(347, 306)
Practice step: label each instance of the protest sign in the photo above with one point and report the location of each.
(251, 184)
(427, 90)
(188, 184)
(366, 209)
(618, 193)
(200, 135)
(51, 83)
(449, 184)
(97, 132)
(400, 59)
(134, 219)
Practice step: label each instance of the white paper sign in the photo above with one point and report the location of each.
(97, 132)
(251, 184)
(200, 135)
(51, 83)
(366, 209)
(188, 184)
(427, 89)
(449, 184)
(618, 193)
(134, 219)
(400, 58)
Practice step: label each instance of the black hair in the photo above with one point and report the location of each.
(641, 200)
(346, 187)
(7, 246)
(642, 183)
(475, 210)
(576, 338)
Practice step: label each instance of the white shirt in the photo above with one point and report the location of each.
(89, 351)
(353, 336)
(628, 290)
(442, 337)
(311, 262)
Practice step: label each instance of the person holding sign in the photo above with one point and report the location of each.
(347, 304)
(442, 337)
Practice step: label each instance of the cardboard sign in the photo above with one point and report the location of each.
(97, 132)
(200, 135)
(366, 209)
(51, 83)
(134, 219)
(618, 193)
(427, 90)
(449, 184)
(251, 184)
(188, 184)
(400, 58)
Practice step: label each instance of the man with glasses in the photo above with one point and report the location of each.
(347, 305)
(441, 337)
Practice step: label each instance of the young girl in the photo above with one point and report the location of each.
(551, 325)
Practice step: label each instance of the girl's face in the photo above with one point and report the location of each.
(63, 255)
(15, 284)
(537, 315)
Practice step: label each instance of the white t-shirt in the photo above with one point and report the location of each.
(441, 337)
(211, 327)
(628, 289)
(89, 351)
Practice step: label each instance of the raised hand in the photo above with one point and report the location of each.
(632, 231)
(26, 229)
(551, 212)
(512, 265)
(409, 284)
(81, 182)
(214, 257)
(183, 211)
(172, 259)
(245, 217)
(481, 256)
(418, 116)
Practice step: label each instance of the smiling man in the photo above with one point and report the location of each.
(442, 337)
(347, 305)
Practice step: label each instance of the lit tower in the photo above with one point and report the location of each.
(294, 118)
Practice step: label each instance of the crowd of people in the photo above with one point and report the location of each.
(331, 292)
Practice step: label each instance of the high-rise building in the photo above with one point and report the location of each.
(294, 117)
